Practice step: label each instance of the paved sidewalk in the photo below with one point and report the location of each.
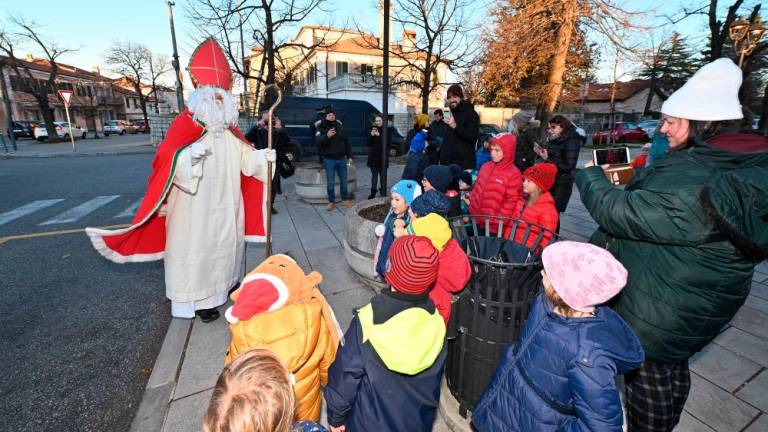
(729, 377)
(112, 145)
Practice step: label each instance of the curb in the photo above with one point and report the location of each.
(162, 382)
(448, 410)
(72, 154)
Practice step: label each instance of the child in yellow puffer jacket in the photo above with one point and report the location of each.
(279, 308)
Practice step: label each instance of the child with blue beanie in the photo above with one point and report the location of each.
(403, 193)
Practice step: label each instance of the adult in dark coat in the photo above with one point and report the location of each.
(690, 230)
(438, 130)
(526, 129)
(259, 136)
(463, 130)
(375, 150)
(335, 150)
(563, 151)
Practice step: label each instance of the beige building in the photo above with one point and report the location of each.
(94, 98)
(348, 64)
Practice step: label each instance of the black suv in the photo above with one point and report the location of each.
(23, 129)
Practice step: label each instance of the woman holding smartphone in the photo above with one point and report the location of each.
(562, 150)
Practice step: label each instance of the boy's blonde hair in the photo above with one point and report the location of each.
(253, 394)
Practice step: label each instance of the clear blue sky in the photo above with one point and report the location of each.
(91, 25)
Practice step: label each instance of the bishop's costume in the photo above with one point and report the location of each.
(205, 197)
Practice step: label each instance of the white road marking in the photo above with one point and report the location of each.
(130, 211)
(80, 211)
(27, 209)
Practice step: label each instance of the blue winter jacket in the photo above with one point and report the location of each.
(482, 156)
(414, 166)
(386, 241)
(560, 376)
(386, 377)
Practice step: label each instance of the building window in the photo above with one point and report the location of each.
(366, 69)
(127, 102)
(342, 68)
(89, 91)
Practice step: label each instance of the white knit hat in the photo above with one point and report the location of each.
(711, 94)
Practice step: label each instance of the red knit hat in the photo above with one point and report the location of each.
(542, 174)
(412, 264)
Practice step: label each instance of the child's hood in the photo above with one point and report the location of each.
(432, 226)
(611, 337)
(409, 342)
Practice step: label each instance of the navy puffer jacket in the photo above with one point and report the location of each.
(560, 377)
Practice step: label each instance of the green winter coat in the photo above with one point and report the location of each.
(689, 230)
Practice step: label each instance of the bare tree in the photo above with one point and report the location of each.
(158, 65)
(263, 24)
(444, 36)
(26, 33)
(604, 18)
(131, 60)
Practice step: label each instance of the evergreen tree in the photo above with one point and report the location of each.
(669, 67)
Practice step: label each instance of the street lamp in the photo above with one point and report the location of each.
(175, 61)
(745, 37)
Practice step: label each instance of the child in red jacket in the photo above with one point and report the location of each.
(536, 208)
(499, 183)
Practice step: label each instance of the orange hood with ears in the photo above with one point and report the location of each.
(280, 308)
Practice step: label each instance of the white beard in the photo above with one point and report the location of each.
(216, 114)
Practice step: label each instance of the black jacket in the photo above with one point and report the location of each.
(563, 151)
(524, 154)
(375, 147)
(459, 144)
(437, 132)
(336, 147)
(398, 387)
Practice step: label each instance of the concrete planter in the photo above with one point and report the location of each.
(311, 184)
(360, 242)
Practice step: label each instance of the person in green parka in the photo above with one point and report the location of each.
(690, 230)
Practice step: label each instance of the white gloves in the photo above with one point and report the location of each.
(270, 155)
(197, 152)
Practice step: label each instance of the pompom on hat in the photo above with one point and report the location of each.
(712, 94)
(583, 274)
(412, 265)
(208, 66)
(543, 175)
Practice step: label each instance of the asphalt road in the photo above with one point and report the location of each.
(79, 334)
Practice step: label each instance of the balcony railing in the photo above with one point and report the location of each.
(356, 81)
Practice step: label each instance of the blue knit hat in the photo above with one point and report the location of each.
(419, 142)
(408, 189)
(431, 202)
(441, 176)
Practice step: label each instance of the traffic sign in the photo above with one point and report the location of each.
(66, 95)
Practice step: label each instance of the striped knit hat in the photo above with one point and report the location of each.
(412, 265)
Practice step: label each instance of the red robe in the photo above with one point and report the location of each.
(144, 240)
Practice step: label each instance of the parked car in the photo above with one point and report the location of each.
(62, 129)
(622, 132)
(141, 127)
(118, 127)
(649, 126)
(299, 114)
(23, 129)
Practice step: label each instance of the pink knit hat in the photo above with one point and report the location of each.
(583, 274)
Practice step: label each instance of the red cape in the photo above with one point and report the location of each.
(144, 240)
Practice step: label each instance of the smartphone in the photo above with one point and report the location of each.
(611, 156)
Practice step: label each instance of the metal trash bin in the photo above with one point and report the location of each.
(489, 314)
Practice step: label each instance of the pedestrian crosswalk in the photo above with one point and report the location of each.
(70, 210)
